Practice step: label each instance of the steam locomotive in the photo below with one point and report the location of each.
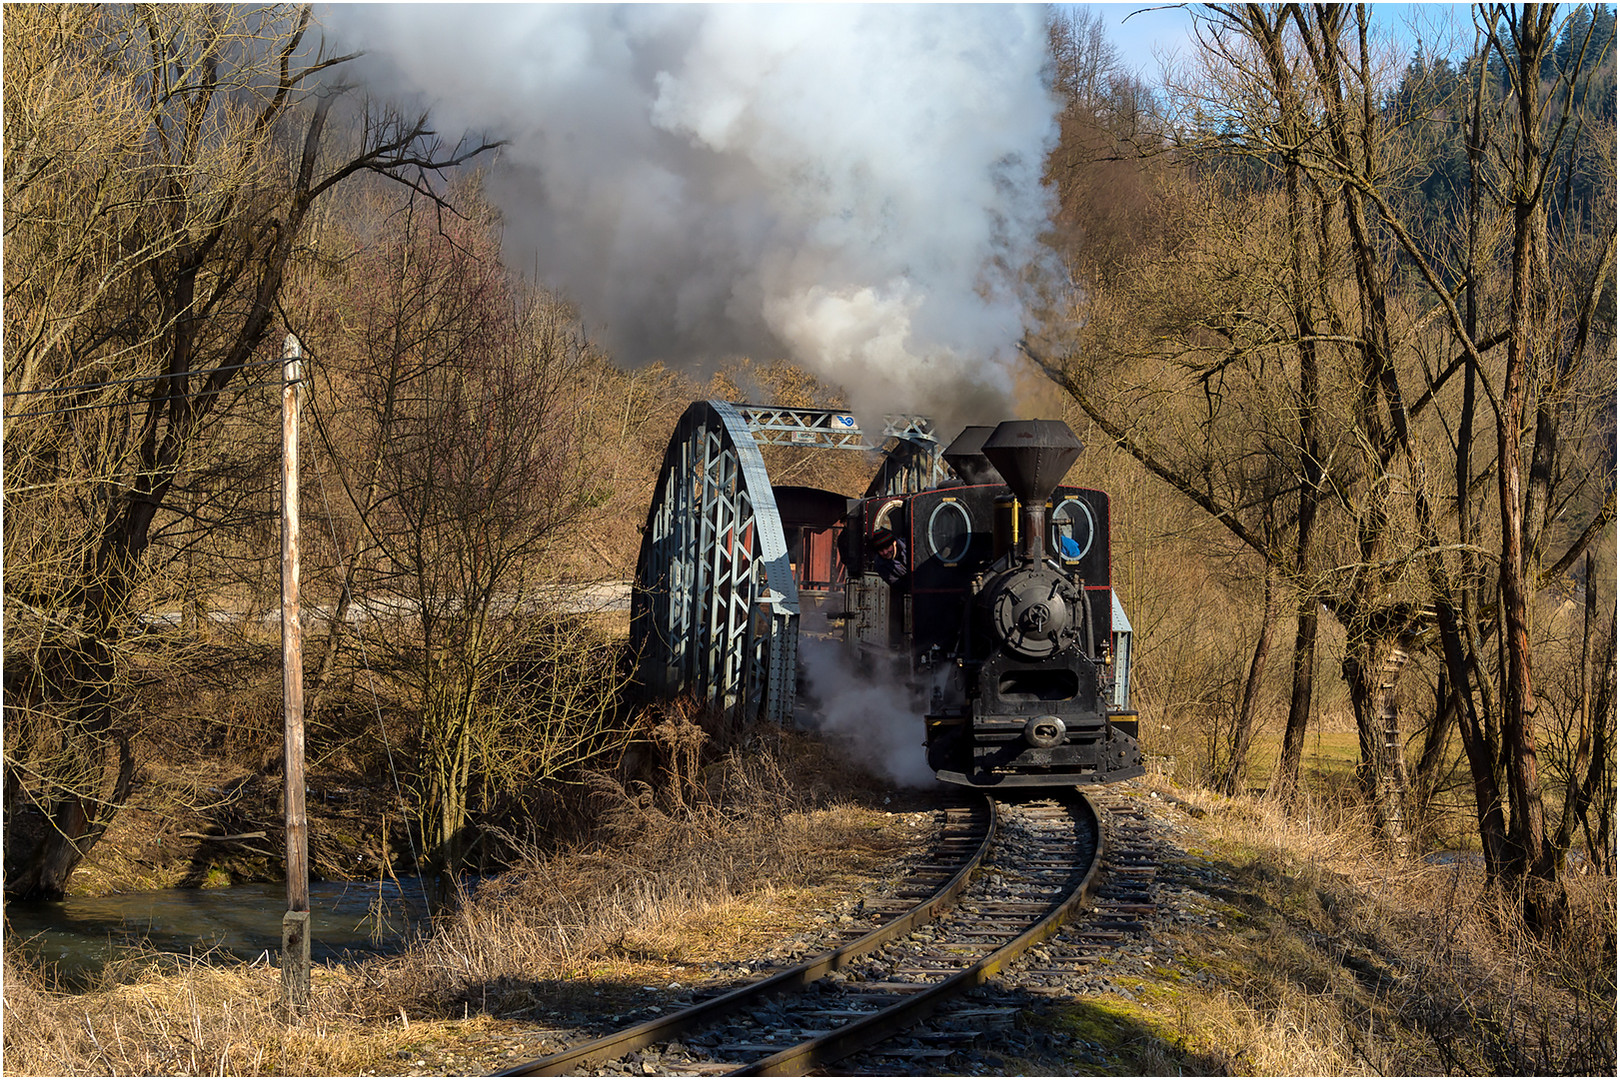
(998, 614)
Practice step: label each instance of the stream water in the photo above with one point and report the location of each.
(77, 936)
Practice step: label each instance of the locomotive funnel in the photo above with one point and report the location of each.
(1032, 456)
(966, 456)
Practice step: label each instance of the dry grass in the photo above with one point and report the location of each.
(189, 1019)
(1315, 954)
(1326, 957)
(714, 883)
(746, 863)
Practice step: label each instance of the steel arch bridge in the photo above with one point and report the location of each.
(715, 607)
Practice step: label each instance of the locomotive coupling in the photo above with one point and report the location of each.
(1045, 731)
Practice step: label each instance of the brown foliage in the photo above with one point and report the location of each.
(1283, 373)
(161, 164)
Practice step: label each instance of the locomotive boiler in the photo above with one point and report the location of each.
(999, 614)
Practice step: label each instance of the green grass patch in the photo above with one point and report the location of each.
(1327, 755)
(1110, 1037)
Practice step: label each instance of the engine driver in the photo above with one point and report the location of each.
(891, 564)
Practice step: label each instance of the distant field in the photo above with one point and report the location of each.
(1327, 754)
(1328, 766)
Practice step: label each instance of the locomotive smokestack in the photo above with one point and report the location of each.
(966, 456)
(1032, 456)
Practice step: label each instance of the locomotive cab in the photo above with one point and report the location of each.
(1004, 625)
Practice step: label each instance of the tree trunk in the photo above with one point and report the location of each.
(1267, 30)
(1373, 673)
(99, 770)
(1531, 853)
(1360, 672)
(1432, 759)
(447, 767)
(1584, 712)
(1284, 786)
(1232, 779)
(1475, 719)
(1391, 795)
(1598, 790)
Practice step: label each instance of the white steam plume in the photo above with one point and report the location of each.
(875, 722)
(856, 186)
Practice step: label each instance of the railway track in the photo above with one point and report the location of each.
(1120, 906)
(1003, 876)
(987, 1029)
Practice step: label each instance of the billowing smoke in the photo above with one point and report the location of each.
(875, 722)
(856, 187)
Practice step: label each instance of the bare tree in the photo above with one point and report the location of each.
(1305, 342)
(455, 431)
(161, 163)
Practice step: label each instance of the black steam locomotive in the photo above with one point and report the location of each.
(997, 611)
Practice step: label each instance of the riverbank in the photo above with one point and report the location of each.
(1279, 949)
(209, 823)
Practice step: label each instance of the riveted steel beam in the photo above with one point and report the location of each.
(777, 425)
(715, 608)
(911, 463)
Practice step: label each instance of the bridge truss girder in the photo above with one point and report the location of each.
(715, 607)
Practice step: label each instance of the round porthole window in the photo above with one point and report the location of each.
(1072, 520)
(887, 516)
(950, 532)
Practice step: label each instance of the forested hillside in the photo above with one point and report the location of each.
(1351, 304)
(1333, 311)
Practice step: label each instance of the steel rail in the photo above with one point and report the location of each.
(873, 1029)
(619, 1043)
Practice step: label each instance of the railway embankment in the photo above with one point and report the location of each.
(1268, 945)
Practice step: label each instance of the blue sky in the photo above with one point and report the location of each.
(1137, 30)
(1141, 30)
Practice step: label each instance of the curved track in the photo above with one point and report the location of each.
(1005, 876)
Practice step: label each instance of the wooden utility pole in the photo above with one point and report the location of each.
(295, 924)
